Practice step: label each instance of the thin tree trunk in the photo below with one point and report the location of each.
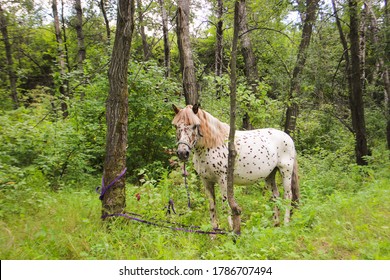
(167, 48)
(114, 200)
(236, 210)
(219, 42)
(61, 60)
(356, 96)
(186, 61)
(8, 53)
(145, 45)
(292, 109)
(81, 55)
(65, 42)
(106, 21)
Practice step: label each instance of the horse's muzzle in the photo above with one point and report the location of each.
(183, 153)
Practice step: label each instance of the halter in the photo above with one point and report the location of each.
(195, 141)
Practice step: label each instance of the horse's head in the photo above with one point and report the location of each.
(187, 125)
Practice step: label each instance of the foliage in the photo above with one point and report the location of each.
(50, 166)
(348, 221)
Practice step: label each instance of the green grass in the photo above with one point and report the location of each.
(345, 214)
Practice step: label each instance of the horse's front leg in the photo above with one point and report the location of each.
(234, 218)
(210, 192)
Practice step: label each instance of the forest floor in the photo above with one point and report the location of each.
(344, 214)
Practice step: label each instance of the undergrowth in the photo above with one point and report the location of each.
(344, 214)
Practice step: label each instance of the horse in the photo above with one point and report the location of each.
(260, 153)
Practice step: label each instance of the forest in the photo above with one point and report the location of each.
(86, 94)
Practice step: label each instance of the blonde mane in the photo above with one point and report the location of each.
(214, 132)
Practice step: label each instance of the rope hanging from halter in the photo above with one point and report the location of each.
(185, 174)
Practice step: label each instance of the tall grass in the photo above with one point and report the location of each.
(344, 215)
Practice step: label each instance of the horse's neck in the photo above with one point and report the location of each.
(214, 131)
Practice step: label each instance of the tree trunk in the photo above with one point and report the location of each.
(61, 60)
(250, 69)
(292, 108)
(236, 210)
(8, 53)
(356, 95)
(167, 49)
(219, 38)
(65, 43)
(186, 61)
(145, 45)
(114, 200)
(106, 21)
(381, 57)
(81, 55)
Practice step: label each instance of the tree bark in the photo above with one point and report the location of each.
(82, 52)
(186, 61)
(219, 40)
(61, 60)
(10, 63)
(114, 200)
(236, 210)
(81, 55)
(251, 72)
(167, 48)
(356, 95)
(292, 108)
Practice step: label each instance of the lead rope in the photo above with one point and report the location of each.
(185, 174)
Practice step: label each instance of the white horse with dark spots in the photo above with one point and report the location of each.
(260, 153)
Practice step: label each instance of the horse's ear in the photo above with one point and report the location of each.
(195, 108)
(177, 110)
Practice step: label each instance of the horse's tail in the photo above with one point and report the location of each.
(295, 185)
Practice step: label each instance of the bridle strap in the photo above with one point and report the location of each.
(185, 143)
(193, 145)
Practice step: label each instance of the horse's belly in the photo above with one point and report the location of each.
(250, 172)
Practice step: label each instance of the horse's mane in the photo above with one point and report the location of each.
(214, 132)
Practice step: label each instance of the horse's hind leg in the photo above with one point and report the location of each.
(271, 184)
(287, 175)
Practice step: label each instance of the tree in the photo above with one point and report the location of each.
(236, 210)
(81, 55)
(114, 200)
(219, 38)
(10, 63)
(102, 6)
(251, 72)
(63, 88)
(356, 94)
(167, 48)
(292, 108)
(141, 23)
(187, 66)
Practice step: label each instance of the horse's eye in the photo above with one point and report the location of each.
(194, 127)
